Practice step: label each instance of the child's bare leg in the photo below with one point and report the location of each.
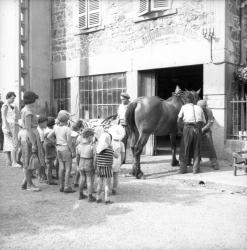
(61, 175)
(56, 163)
(99, 188)
(67, 174)
(67, 187)
(50, 164)
(24, 182)
(77, 177)
(8, 159)
(107, 188)
(82, 182)
(115, 182)
(91, 198)
(19, 154)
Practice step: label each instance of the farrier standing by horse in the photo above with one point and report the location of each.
(193, 119)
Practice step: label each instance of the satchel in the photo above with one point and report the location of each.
(34, 162)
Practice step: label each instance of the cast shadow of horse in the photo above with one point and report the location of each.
(148, 192)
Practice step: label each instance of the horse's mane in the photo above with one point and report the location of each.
(183, 95)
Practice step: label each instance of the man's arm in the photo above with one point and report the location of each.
(210, 121)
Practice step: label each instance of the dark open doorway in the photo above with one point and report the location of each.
(186, 77)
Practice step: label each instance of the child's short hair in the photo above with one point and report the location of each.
(42, 118)
(63, 116)
(87, 132)
(77, 125)
(50, 121)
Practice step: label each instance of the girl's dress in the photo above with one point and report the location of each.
(26, 145)
(10, 142)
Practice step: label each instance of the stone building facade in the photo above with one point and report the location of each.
(97, 48)
(148, 47)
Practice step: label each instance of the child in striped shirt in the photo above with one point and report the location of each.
(104, 160)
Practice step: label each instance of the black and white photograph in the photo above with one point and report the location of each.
(123, 124)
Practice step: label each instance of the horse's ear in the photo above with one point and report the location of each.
(177, 89)
(198, 91)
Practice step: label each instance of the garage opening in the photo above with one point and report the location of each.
(187, 77)
(162, 82)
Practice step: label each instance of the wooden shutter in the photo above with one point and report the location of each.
(93, 13)
(160, 5)
(143, 7)
(82, 14)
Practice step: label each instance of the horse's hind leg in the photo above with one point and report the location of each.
(175, 162)
(138, 150)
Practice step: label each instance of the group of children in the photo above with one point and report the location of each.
(98, 156)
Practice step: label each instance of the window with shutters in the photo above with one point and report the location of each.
(89, 13)
(149, 6)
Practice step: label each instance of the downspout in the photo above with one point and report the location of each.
(240, 32)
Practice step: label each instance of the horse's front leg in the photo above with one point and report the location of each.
(175, 162)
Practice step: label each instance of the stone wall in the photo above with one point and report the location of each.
(233, 31)
(121, 32)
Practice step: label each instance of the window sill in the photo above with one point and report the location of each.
(155, 15)
(90, 30)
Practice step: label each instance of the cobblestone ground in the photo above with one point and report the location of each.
(159, 212)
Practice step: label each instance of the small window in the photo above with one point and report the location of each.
(148, 6)
(61, 95)
(89, 13)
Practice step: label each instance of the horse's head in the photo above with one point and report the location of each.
(192, 96)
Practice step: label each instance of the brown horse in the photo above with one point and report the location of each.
(152, 115)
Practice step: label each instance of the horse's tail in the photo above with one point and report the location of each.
(130, 117)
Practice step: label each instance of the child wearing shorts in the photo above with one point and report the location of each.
(84, 158)
(65, 151)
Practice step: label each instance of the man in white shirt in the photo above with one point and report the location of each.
(125, 100)
(193, 118)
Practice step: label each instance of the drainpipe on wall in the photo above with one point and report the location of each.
(240, 32)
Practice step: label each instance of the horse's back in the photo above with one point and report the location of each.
(154, 115)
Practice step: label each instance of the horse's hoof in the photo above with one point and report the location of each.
(140, 175)
(175, 164)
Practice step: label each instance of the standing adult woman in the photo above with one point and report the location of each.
(31, 142)
(10, 115)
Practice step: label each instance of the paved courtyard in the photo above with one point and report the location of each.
(164, 211)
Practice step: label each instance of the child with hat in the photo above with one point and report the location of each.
(118, 133)
(65, 151)
(84, 159)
